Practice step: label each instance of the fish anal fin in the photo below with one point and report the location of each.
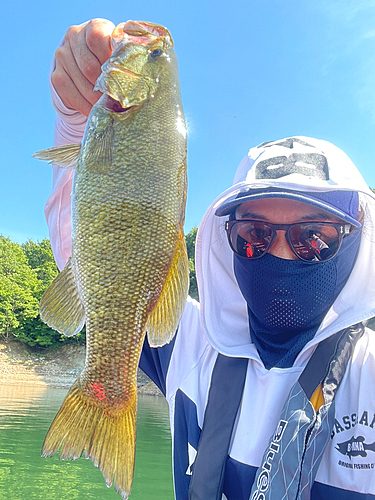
(88, 425)
(64, 156)
(61, 306)
(164, 318)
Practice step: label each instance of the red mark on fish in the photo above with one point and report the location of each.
(98, 390)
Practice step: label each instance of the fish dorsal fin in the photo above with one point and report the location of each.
(64, 156)
(61, 307)
(98, 148)
(163, 320)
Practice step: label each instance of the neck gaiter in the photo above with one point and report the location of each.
(288, 299)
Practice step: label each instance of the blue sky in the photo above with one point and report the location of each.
(251, 71)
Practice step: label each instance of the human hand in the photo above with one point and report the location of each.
(78, 63)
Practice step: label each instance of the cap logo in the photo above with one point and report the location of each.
(274, 167)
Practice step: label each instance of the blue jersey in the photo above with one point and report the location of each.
(345, 471)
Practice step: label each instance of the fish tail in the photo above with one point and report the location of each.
(370, 447)
(105, 435)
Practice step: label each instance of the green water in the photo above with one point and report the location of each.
(25, 415)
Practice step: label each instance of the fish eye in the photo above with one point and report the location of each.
(156, 53)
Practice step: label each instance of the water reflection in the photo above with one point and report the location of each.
(25, 415)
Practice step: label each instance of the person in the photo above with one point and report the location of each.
(270, 379)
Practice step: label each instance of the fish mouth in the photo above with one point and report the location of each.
(115, 100)
(114, 105)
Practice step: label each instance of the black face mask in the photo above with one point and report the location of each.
(288, 299)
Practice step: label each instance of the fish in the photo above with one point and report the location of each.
(355, 447)
(128, 273)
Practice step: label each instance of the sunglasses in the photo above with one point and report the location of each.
(309, 241)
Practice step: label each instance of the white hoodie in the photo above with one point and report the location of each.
(220, 324)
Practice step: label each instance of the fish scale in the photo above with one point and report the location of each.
(128, 272)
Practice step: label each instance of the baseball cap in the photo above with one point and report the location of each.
(342, 204)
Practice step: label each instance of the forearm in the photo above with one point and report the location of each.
(74, 70)
(69, 128)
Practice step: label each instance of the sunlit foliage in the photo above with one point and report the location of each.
(26, 271)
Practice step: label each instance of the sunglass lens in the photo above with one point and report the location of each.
(250, 239)
(314, 242)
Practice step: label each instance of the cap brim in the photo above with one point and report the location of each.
(230, 204)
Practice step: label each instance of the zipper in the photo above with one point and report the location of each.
(307, 437)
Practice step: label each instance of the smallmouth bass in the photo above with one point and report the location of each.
(128, 272)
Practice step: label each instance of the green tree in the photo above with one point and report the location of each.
(40, 258)
(190, 245)
(33, 331)
(26, 271)
(19, 286)
(36, 333)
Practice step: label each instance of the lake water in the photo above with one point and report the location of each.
(25, 416)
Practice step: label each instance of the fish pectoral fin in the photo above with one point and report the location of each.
(64, 156)
(88, 424)
(163, 320)
(98, 152)
(61, 307)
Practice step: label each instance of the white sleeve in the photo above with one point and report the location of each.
(69, 128)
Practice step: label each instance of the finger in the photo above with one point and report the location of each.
(91, 46)
(69, 93)
(98, 38)
(77, 50)
(78, 63)
(65, 60)
(66, 65)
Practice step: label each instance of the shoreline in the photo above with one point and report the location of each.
(22, 365)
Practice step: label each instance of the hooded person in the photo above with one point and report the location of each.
(271, 395)
(242, 316)
(304, 427)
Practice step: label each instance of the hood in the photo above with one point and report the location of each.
(297, 164)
